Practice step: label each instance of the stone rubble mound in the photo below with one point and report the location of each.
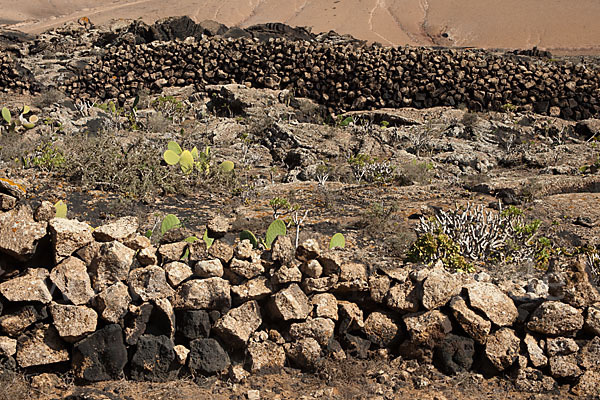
(107, 303)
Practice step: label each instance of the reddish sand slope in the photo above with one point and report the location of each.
(561, 26)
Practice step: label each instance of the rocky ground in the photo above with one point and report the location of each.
(372, 175)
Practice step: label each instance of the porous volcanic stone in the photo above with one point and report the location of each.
(100, 356)
(136, 322)
(283, 250)
(592, 320)
(210, 294)
(439, 287)
(221, 251)
(149, 283)
(110, 265)
(29, 287)
(73, 281)
(254, 289)
(320, 329)
(556, 318)
(535, 353)
(427, 328)
(290, 303)
(8, 202)
(490, 300)
(243, 250)
(207, 356)
(287, 274)
(382, 329)
(218, 226)
(68, 236)
(8, 346)
(154, 359)
(403, 297)
(325, 305)
(239, 324)
(247, 269)
(163, 318)
(564, 366)
(312, 269)
(41, 346)
(472, 323)
(455, 354)
(304, 353)
(502, 348)
(379, 286)
(119, 230)
(13, 324)
(173, 251)
(193, 324)
(19, 233)
(308, 250)
(209, 268)
(589, 356)
(73, 322)
(350, 316)
(113, 302)
(266, 357)
(177, 272)
(588, 385)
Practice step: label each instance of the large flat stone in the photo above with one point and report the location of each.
(210, 294)
(29, 287)
(491, 301)
(73, 281)
(42, 346)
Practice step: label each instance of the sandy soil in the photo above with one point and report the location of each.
(561, 26)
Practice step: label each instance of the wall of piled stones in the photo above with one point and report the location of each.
(350, 78)
(108, 303)
(13, 78)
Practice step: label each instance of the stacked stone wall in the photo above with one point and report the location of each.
(108, 302)
(347, 77)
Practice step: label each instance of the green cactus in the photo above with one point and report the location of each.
(60, 209)
(187, 159)
(169, 222)
(246, 234)
(208, 240)
(6, 115)
(337, 240)
(276, 228)
(227, 166)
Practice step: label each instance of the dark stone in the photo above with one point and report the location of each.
(207, 356)
(193, 324)
(154, 359)
(100, 356)
(455, 354)
(357, 346)
(7, 364)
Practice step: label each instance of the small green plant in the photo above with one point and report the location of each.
(46, 157)
(208, 240)
(226, 166)
(343, 122)
(169, 222)
(370, 169)
(337, 240)
(509, 107)
(385, 124)
(432, 247)
(277, 228)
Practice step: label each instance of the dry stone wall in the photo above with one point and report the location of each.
(349, 77)
(13, 77)
(108, 303)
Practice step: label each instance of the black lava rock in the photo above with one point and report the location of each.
(100, 356)
(207, 356)
(193, 324)
(154, 359)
